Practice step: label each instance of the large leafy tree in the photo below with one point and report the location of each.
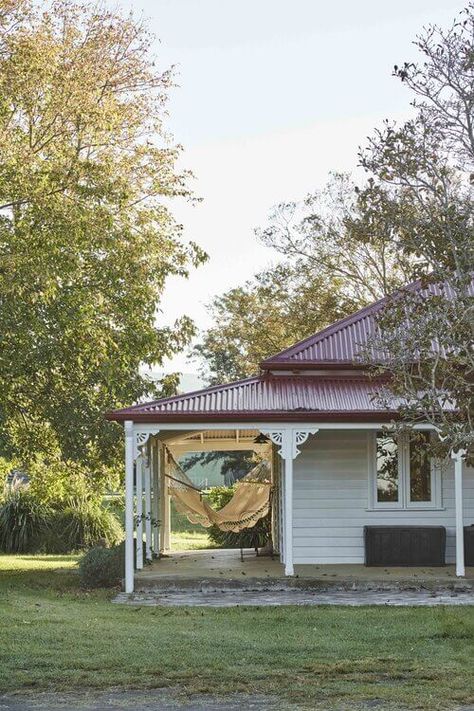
(275, 308)
(426, 167)
(87, 238)
(339, 234)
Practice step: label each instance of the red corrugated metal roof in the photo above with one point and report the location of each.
(339, 345)
(269, 398)
(288, 397)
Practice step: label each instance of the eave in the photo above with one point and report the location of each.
(255, 416)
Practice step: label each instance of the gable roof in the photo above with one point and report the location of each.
(340, 345)
(336, 346)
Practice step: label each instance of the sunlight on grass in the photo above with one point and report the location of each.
(30, 563)
(190, 540)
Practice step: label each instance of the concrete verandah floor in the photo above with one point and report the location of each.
(193, 568)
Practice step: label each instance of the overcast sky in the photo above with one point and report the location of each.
(273, 94)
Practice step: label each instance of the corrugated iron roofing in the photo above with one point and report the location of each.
(340, 344)
(267, 397)
(288, 397)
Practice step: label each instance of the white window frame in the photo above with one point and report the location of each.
(403, 503)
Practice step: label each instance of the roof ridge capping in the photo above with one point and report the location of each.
(283, 357)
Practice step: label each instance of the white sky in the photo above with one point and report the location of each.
(273, 94)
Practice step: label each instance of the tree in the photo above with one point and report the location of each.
(339, 234)
(234, 464)
(87, 238)
(426, 165)
(275, 308)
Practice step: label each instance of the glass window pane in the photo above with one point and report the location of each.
(420, 469)
(387, 468)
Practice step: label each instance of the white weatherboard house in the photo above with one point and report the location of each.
(336, 476)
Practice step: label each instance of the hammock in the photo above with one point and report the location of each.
(250, 502)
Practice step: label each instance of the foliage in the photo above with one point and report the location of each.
(328, 231)
(23, 520)
(271, 311)
(87, 239)
(101, 567)
(421, 178)
(83, 523)
(234, 464)
(56, 481)
(29, 523)
(255, 537)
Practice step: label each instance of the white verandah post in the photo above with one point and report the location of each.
(139, 497)
(136, 438)
(129, 454)
(155, 464)
(148, 511)
(164, 504)
(289, 439)
(458, 498)
(288, 471)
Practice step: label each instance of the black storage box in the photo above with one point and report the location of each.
(405, 545)
(469, 545)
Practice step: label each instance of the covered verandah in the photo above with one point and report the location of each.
(148, 505)
(149, 452)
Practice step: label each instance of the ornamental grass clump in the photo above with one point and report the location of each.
(24, 522)
(84, 523)
(28, 524)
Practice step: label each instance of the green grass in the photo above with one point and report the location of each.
(190, 540)
(186, 535)
(55, 636)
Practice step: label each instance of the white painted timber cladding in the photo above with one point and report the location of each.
(331, 500)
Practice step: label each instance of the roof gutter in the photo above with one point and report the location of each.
(264, 416)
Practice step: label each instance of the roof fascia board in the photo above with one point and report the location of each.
(199, 426)
(315, 365)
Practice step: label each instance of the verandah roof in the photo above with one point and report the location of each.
(267, 398)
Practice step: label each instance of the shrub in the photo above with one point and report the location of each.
(102, 567)
(23, 521)
(56, 481)
(84, 523)
(28, 524)
(255, 537)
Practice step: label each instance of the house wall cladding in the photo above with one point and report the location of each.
(331, 485)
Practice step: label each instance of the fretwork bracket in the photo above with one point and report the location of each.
(289, 441)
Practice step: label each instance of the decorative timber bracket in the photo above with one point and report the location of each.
(140, 436)
(289, 440)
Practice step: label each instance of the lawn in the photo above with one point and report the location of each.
(186, 536)
(55, 636)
